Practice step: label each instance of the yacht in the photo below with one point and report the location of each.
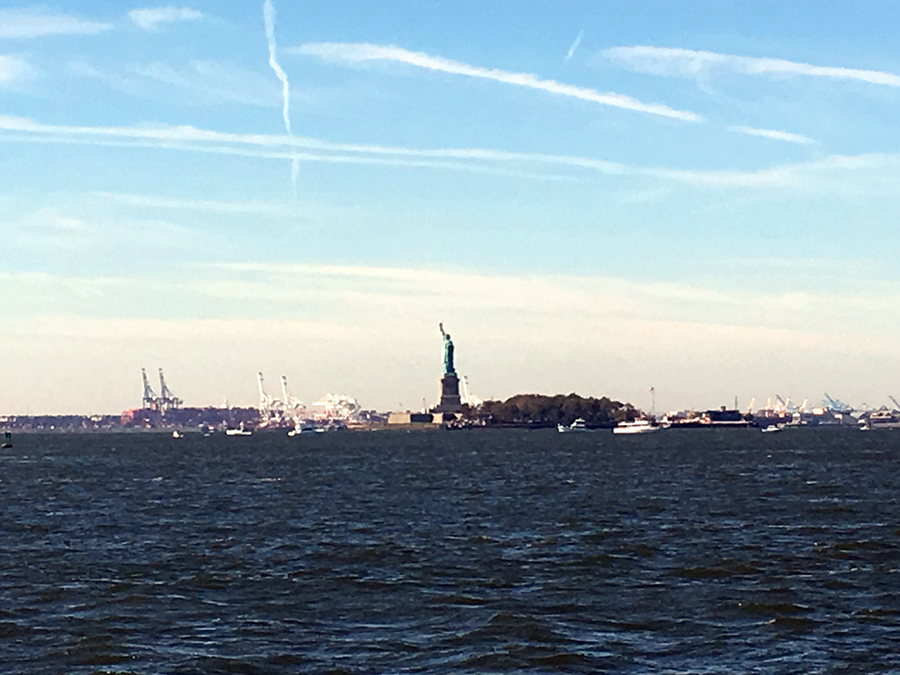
(577, 425)
(636, 427)
(240, 431)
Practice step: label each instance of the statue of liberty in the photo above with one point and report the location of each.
(448, 352)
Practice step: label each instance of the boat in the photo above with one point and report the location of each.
(304, 428)
(177, 434)
(240, 431)
(880, 419)
(772, 428)
(7, 442)
(577, 425)
(636, 427)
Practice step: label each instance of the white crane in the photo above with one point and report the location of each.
(265, 401)
(151, 400)
(290, 406)
(468, 398)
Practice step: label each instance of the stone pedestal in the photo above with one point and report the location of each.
(450, 400)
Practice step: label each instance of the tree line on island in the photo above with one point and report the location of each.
(536, 410)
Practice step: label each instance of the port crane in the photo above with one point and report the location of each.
(167, 399)
(781, 406)
(150, 400)
(894, 401)
(835, 404)
(266, 402)
(291, 407)
(273, 411)
(468, 398)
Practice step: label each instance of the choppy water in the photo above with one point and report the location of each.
(463, 552)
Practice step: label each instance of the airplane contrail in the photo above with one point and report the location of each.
(269, 19)
(574, 46)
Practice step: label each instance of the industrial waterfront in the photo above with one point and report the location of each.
(456, 408)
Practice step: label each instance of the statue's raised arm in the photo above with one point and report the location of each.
(448, 352)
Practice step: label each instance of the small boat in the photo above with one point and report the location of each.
(7, 442)
(177, 434)
(772, 428)
(304, 428)
(577, 425)
(636, 427)
(240, 431)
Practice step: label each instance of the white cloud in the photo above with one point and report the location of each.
(213, 81)
(203, 140)
(202, 205)
(23, 23)
(13, 68)
(690, 63)
(875, 171)
(775, 135)
(151, 18)
(358, 53)
(574, 47)
(198, 82)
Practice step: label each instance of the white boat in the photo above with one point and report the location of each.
(577, 425)
(305, 428)
(240, 431)
(880, 419)
(636, 427)
(177, 434)
(772, 428)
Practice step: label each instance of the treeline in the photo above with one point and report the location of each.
(537, 410)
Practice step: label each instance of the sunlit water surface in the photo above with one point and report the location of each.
(463, 552)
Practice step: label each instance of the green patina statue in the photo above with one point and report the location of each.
(448, 352)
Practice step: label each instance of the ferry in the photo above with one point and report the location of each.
(636, 427)
(880, 419)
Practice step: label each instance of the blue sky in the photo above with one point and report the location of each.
(600, 197)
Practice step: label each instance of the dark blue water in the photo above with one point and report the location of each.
(462, 552)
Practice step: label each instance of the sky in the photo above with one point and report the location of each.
(698, 197)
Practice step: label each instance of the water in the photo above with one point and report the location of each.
(463, 552)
